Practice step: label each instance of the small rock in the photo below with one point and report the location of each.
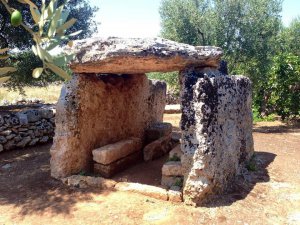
(24, 142)
(44, 139)
(174, 194)
(172, 168)
(156, 131)
(33, 141)
(11, 136)
(6, 132)
(1, 148)
(2, 140)
(157, 148)
(9, 145)
(7, 166)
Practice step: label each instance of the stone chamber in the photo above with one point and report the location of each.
(109, 120)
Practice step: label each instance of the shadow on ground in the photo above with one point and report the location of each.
(25, 183)
(285, 128)
(244, 183)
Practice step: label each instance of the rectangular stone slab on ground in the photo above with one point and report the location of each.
(113, 152)
(108, 171)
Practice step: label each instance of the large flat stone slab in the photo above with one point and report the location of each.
(139, 55)
(113, 152)
(108, 171)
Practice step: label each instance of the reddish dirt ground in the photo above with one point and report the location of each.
(269, 195)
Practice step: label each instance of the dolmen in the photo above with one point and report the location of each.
(109, 115)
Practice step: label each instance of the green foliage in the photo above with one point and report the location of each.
(174, 158)
(250, 33)
(284, 85)
(17, 37)
(179, 182)
(171, 78)
(48, 31)
(251, 165)
(258, 118)
(24, 62)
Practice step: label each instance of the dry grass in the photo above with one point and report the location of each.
(49, 94)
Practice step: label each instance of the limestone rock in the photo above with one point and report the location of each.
(172, 168)
(3, 140)
(137, 55)
(148, 190)
(156, 131)
(175, 152)
(216, 131)
(108, 171)
(113, 152)
(9, 145)
(157, 148)
(88, 181)
(33, 115)
(23, 142)
(94, 111)
(175, 194)
(33, 141)
(169, 181)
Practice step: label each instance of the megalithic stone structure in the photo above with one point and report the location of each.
(110, 99)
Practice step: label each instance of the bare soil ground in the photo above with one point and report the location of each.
(269, 195)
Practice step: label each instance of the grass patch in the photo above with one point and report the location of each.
(251, 165)
(49, 94)
(174, 158)
(258, 118)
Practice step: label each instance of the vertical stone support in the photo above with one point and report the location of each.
(216, 131)
(96, 110)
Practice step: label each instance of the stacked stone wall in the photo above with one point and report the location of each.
(25, 127)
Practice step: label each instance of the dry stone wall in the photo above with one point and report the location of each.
(26, 127)
(216, 131)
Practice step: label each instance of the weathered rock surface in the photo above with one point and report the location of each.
(148, 190)
(94, 111)
(169, 181)
(175, 152)
(109, 170)
(175, 194)
(113, 152)
(137, 55)
(156, 131)
(157, 148)
(172, 168)
(87, 181)
(216, 131)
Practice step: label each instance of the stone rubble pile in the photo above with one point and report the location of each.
(26, 127)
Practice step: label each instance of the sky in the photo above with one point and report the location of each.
(140, 18)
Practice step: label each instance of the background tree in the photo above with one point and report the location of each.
(247, 31)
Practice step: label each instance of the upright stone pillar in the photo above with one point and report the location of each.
(216, 129)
